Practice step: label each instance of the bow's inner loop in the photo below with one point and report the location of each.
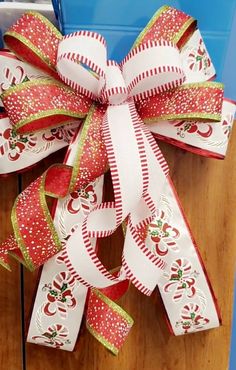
(78, 55)
(150, 68)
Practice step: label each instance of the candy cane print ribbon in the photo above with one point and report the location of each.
(200, 137)
(130, 85)
(18, 152)
(166, 15)
(27, 117)
(197, 67)
(60, 299)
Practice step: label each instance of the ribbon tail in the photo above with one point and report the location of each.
(88, 160)
(209, 139)
(56, 273)
(184, 270)
(107, 321)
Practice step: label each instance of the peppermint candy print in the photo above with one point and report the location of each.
(162, 233)
(185, 127)
(82, 200)
(192, 318)
(227, 124)
(60, 296)
(181, 280)
(16, 144)
(198, 59)
(13, 76)
(60, 133)
(55, 336)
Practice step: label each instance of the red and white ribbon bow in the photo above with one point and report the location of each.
(116, 100)
(137, 166)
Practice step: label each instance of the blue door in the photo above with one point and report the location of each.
(121, 21)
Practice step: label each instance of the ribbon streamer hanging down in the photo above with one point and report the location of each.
(146, 87)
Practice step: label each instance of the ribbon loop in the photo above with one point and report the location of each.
(78, 54)
(151, 68)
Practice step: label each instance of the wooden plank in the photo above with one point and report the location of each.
(10, 309)
(207, 191)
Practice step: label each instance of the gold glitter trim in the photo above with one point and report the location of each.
(182, 31)
(117, 309)
(114, 306)
(36, 82)
(102, 340)
(47, 22)
(153, 20)
(31, 46)
(47, 113)
(79, 152)
(124, 227)
(195, 116)
(47, 214)
(5, 265)
(28, 261)
(211, 84)
(17, 258)
(149, 25)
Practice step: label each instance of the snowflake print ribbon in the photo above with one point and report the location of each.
(132, 102)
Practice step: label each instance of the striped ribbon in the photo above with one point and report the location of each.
(120, 105)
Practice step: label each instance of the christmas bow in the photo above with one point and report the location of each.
(118, 102)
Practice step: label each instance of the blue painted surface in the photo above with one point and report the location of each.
(121, 21)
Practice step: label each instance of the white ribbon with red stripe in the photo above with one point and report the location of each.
(147, 69)
(143, 198)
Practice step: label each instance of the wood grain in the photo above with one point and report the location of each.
(207, 191)
(10, 309)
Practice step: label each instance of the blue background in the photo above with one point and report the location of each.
(121, 21)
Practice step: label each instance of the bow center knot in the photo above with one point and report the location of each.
(113, 87)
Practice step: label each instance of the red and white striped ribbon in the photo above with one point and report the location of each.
(140, 261)
(147, 69)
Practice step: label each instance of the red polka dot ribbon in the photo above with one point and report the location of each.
(121, 104)
(106, 322)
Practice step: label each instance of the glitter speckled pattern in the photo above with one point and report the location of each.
(168, 24)
(107, 321)
(30, 105)
(9, 245)
(34, 29)
(33, 226)
(91, 158)
(45, 103)
(190, 101)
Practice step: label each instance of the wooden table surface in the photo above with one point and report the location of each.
(207, 190)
